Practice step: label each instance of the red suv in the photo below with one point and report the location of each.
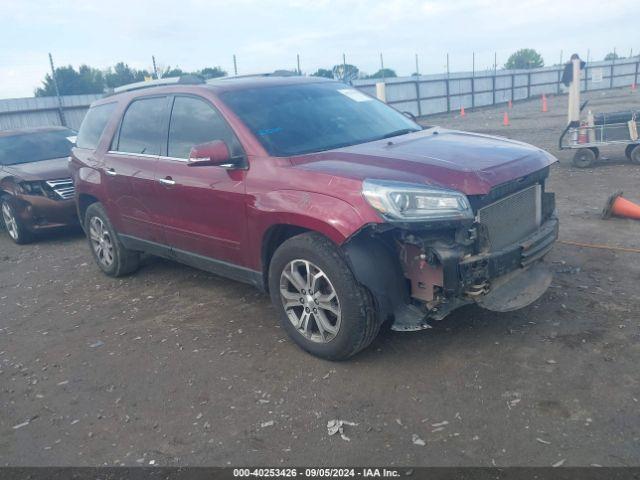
(346, 211)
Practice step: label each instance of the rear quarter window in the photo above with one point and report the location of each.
(93, 125)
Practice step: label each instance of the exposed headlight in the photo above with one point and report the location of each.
(32, 188)
(411, 202)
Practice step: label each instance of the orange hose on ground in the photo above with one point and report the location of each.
(599, 246)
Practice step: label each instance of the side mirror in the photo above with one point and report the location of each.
(215, 153)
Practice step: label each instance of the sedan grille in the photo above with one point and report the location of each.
(63, 188)
(512, 218)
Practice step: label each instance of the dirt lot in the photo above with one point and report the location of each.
(173, 366)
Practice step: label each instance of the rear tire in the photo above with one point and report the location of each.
(634, 154)
(584, 158)
(12, 223)
(107, 249)
(321, 305)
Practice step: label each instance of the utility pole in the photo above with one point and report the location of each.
(298, 62)
(613, 64)
(344, 67)
(473, 64)
(495, 62)
(447, 65)
(417, 68)
(235, 65)
(55, 86)
(382, 66)
(155, 67)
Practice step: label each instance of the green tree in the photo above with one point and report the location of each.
(323, 72)
(345, 72)
(524, 58)
(384, 73)
(173, 72)
(122, 74)
(71, 82)
(212, 72)
(612, 56)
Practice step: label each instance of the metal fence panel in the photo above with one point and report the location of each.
(432, 94)
(43, 111)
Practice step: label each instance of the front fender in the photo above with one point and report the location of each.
(330, 216)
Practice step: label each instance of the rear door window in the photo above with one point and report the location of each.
(195, 121)
(142, 129)
(93, 125)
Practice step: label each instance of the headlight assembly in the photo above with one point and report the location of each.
(412, 202)
(32, 188)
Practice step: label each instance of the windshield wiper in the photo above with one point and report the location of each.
(403, 131)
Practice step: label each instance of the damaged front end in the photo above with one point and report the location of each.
(421, 271)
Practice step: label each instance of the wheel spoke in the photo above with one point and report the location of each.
(314, 281)
(295, 278)
(94, 235)
(324, 324)
(292, 298)
(304, 323)
(307, 279)
(330, 307)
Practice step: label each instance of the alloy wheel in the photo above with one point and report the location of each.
(310, 301)
(101, 241)
(9, 221)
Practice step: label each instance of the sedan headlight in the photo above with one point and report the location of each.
(411, 202)
(32, 188)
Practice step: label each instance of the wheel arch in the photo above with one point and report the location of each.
(84, 201)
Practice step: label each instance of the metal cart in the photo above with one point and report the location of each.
(607, 129)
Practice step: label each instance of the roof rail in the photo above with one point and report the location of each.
(277, 73)
(182, 80)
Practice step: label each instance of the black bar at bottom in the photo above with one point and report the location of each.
(219, 473)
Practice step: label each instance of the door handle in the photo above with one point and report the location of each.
(167, 181)
(111, 172)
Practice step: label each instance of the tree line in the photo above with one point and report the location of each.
(87, 79)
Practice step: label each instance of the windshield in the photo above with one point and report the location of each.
(35, 146)
(296, 119)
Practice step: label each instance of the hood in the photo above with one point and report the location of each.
(470, 163)
(52, 169)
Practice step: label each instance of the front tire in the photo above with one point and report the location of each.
(107, 249)
(13, 224)
(321, 305)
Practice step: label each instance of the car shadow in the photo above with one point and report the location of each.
(59, 234)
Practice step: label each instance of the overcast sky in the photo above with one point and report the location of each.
(267, 34)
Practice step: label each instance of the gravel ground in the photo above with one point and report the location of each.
(173, 366)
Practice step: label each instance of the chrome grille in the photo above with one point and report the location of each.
(63, 187)
(512, 218)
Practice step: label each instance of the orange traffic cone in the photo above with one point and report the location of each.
(462, 114)
(544, 102)
(583, 136)
(620, 207)
(505, 119)
(510, 105)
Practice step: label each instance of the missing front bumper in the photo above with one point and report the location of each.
(517, 289)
